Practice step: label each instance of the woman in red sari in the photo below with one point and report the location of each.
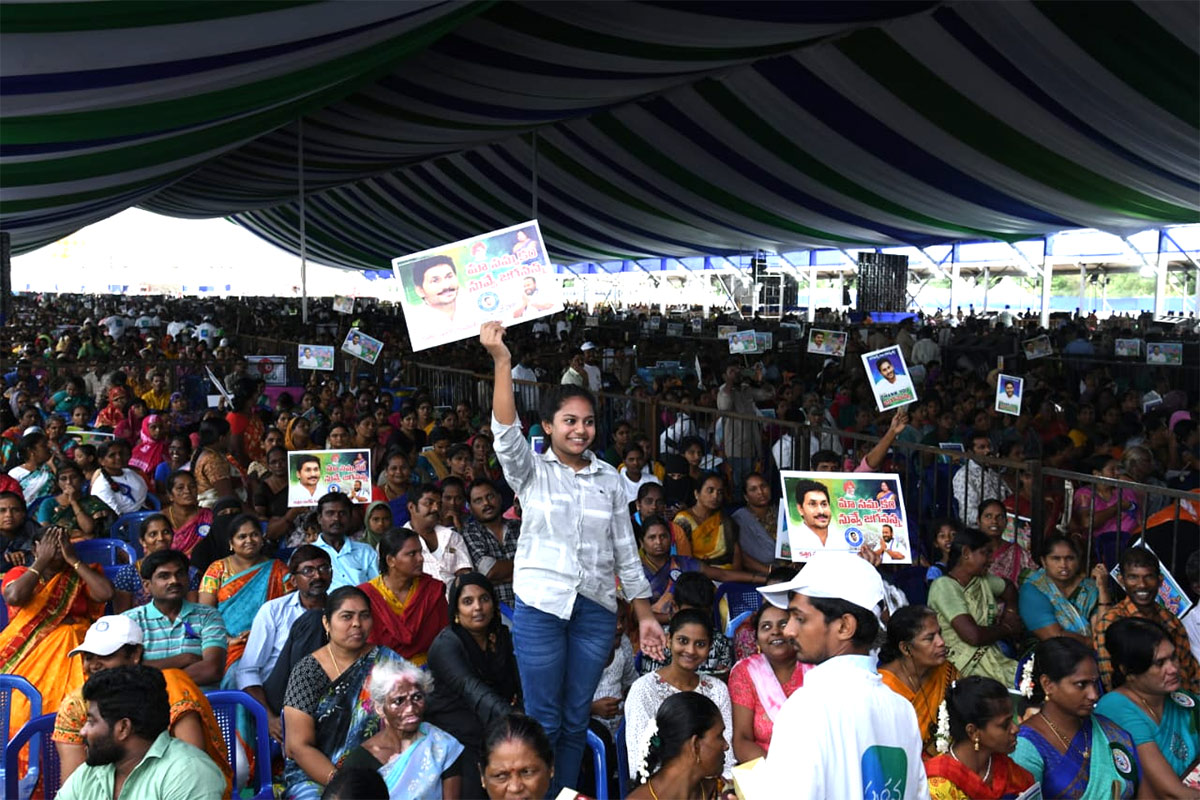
(52, 604)
(114, 413)
(408, 606)
(974, 738)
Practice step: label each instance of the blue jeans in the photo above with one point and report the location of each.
(561, 662)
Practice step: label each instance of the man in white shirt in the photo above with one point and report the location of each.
(311, 572)
(445, 552)
(576, 373)
(973, 483)
(634, 476)
(843, 734)
(528, 396)
(595, 380)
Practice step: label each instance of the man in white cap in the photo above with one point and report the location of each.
(590, 355)
(116, 641)
(843, 734)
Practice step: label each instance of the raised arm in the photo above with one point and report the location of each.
(504, 405)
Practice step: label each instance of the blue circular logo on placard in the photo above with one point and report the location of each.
(489, 301)
(333, 487)
(854, 537)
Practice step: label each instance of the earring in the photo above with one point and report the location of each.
(976, 744)
(456, 619)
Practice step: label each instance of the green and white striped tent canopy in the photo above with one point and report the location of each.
(639, 129)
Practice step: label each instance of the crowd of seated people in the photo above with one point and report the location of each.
(376, 634)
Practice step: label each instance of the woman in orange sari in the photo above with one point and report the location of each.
(713, 534)
(913, 664)
(239, 585)
(408, 606)
(55, 601)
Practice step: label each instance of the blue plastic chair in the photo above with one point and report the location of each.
(9, 683)
(739, 597)
(3, 615)
(105, 551)
(732, 627)
(127, 526)
(599, 764)
(622, 760)
(225, 705)
(153, 502)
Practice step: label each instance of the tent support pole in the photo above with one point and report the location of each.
(303, 233)
(987, 284)
(1082, 289)
(535, 175)
(1047, 270)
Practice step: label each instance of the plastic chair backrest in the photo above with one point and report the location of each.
(8, 684)
(225, 706)
(127, 527)
(105, 551)
(738, 597)
(732, 627)
(43, 760)
(3, 615)
(153, 502)
(622, 760)
(599, 764)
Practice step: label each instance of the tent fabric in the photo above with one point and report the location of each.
(651, 129)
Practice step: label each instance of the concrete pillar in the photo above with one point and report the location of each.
(987, 281)
(1083, 289)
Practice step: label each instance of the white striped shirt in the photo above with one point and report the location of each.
(575, 529)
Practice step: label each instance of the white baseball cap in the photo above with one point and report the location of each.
(832, 574)
(108, 635)
(587, 346)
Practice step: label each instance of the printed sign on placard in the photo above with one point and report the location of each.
(314, 356)
(725, 331)
(827, 343)
(674, 329)
(1168, 353)
(697, 325)
(764, 340)
(343, 305)
(360, 345)
(314, 473)
(843, 511)
(450, 290)
(1037, 347)
(890, 381)
(1009, 391)
(743, 342)
(1128, 348)
(272, 369)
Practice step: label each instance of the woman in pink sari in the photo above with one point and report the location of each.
(190, 522)
(759, 685)
(1010, 560)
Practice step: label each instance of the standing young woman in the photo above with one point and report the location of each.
(575, 536)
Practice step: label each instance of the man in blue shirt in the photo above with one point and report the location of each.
(179, 634)
(353, 562)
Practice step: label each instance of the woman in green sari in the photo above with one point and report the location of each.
(327, 703)
(1149, 702)
(80, 515)
(966, 602)
(1074, 753)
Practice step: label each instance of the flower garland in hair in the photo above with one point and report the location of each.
(942, 737)
(649, 739)
(1026, 687)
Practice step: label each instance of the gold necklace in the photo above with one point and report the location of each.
(1066, 744)
(1136, 696)
(650, 786)
(987, 773)
(329, 647)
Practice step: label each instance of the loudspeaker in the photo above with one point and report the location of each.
(882, 282)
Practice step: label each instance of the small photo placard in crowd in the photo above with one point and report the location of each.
(1037, 347)
(272, 369)
(343, 305)
(360, 345)
(1170, 593)
(957, 447)
(1009, 391)
(827, 343)
(697, 325)
(1167, 353)
(89, 437)
(843, 511)
(1019, 530)
(742, 342)
(313, 473)
(674, 329)
(890, 381)
(1127, 348)
(1151, 399)
(451, 290)
(591, 322)
(765, 340)
(314, 356)
(725, 331)
(655, 322)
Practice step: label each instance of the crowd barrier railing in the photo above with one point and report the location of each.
(1045, 497)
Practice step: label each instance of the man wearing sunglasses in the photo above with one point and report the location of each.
(311, 574)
